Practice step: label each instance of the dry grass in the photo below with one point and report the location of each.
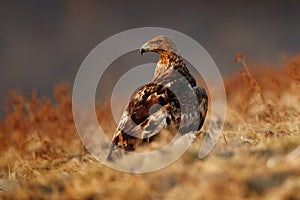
(42, 156)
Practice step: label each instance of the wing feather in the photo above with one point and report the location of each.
(147, 113)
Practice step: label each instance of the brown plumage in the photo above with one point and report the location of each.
(171, 101)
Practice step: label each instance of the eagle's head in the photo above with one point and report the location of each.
(160, 44)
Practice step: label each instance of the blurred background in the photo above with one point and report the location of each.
(44, 42)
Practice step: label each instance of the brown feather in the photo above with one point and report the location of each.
(154, 107)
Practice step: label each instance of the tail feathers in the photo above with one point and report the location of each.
(203, 103)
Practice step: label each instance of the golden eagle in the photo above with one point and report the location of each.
(171, 101)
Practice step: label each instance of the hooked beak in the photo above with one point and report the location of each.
(144, 48)
(142, 51)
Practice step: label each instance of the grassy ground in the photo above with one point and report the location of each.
(258, 156)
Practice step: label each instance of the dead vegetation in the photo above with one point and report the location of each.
(42, 156)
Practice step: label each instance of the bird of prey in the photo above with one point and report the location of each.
(171, 101)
